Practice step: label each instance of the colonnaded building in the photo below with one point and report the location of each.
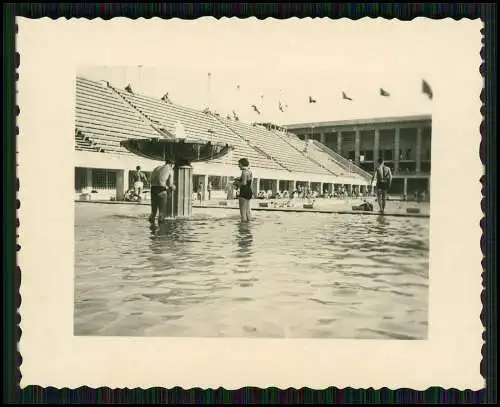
(403, 142)
(280, 160)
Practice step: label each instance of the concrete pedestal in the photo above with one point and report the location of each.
(182, 151)
(179, 202)
(183, 195)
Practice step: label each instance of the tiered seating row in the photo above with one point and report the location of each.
(312, 151)
(86, 108)
(197, 125)
(168, 115)
(158, 113)
(96, 100)
(85, 145)
(325, 160)
(342, 161)
(102, 116)
(108, 115)
(275, 147)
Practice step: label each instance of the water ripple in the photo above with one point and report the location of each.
(282, 275)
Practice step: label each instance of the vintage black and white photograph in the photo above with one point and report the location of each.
(283, 195)
(298, 194)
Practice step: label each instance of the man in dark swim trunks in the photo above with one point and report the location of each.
(162, 186)
(384, 180)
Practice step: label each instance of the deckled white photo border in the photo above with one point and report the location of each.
(51, 50)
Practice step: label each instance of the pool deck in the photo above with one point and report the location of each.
(336, 207)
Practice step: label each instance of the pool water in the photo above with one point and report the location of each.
(294, 275)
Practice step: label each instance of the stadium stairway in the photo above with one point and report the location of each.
(198, 126)
(344, 162)
(302, 148)
(104, 119)
(265, 140)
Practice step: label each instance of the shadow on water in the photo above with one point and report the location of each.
(345, 273)
(382, 220)
(169, 236)
(175, 229)
(244, 240)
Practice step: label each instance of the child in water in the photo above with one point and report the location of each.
(245, 185)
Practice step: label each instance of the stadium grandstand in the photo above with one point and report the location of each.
(403, 142)
(280, 160)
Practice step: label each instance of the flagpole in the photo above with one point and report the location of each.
(281, 108)
(238, 100)
(209, 95)
(263, 110)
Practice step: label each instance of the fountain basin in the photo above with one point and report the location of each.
(180, 151)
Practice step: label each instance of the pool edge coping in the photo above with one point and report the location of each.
(295, 210)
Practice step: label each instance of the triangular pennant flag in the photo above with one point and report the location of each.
(280, 106)
(345, 97)
(311, 100)
(384, 92)
(426, 89)
(255, 109)
(128, 88)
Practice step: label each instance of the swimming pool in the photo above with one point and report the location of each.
(296, 275)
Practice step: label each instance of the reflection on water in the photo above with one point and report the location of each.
(281, 275)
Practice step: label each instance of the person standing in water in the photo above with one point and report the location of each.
(200, 191)
(245, 185)
(209, 190)
(139, 179)
(384, 179)
(230, 190)
(162, 185)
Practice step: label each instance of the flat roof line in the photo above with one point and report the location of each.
(375, 120)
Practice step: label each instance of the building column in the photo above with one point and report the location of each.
(292, 185)
(279, 185)
(256, 186)
(275, 186)
(121, 184)
(88, 178)
(418, 153)
(376, 148)
(204, 191)
(405, 187)
(396, 150)
(322, 138)
(357, 142)
(339, 142)
(308, 185)
(321, 188)
(330, 188)
(306, 137)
